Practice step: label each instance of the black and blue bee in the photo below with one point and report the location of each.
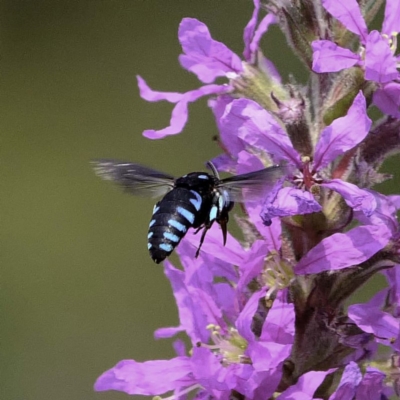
(195, 200)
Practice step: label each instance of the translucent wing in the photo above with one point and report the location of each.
(134, 178)
(254, 185)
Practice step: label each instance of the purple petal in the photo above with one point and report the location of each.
(343, 250)
(192, 316)
(279, 324)
(148, 378)
(267, 355)
(180, 112)
(371, 319)
(244, 321)
(371, 387)
(394, 200)
(225, 163)
(151, 95)
(289, 201)
(165, 333)
(266, 388)
(380, 64)
(356, 198)
(249, 30)
(329, 57)
(393, 300)
(179, 347)
(265, 23)
(204, 56)
(387, 99)
(349, 381)
(248, 382)
(391, 23)
(268, 67)
(231, 143)
(250, 122)
(271, 233)
(247, 162)
(306, 386)
(277, 337)
(207, 370)
(253, 264)
(384, 213)
(343, 133)
(232, 253)
(349, 14)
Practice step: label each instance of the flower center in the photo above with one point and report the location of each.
(307, 176)
(277, 273)
(230, 346)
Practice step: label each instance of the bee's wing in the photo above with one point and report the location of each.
(254, 185)
(134, 178)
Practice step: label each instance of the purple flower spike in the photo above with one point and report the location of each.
(268, 315)
(205, 57)
(377, 50)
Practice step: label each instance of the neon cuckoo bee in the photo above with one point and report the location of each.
(195, 200)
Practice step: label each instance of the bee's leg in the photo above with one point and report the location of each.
(203, 235)
(198, 230)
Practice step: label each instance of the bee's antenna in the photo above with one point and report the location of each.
(211, 166)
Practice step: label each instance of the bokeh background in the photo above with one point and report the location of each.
(78, 291)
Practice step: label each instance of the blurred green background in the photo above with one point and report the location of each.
(78, 290)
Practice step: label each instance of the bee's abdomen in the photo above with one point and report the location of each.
(178, 211)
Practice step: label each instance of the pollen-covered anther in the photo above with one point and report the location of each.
(392, 41)
(277, 275)
(229, 345)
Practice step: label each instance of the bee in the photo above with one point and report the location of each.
(195, 200)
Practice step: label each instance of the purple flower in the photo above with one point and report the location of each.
(237, 358)
(208, 59)
(268, 316)
(371, 318)
(348, 384)
(249, 129)
(376, 55)
(355, 385)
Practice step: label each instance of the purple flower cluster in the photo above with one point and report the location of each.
(375, 53)
(266, 317)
